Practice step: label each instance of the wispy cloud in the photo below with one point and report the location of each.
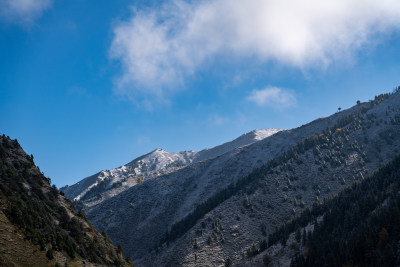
(273, 97)
(216, 120)
(23, 12)
(143, 140)
(158, 49)
(78, 91)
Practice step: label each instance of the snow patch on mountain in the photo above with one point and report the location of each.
(244, 140)
(108, 183)
(153, 164)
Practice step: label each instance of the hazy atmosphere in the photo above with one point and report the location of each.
(91, 85)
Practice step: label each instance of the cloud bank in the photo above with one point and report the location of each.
(159, 48)
(23, 12)
(273, 97)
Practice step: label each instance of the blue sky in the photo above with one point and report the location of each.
(91, 85)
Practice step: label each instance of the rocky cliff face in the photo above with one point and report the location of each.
(38, 225)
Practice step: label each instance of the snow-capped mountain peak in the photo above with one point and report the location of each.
(261, 134)
(243, 140)
(108, 183)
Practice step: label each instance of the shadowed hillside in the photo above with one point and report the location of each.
(38, 225)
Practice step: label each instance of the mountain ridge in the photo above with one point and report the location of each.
(153, 164)
(275, 193)
(322, 153)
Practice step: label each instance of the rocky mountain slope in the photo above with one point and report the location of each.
(358, 227)
(215, 211)
(228, 229)
(38, 225)
(108, 183)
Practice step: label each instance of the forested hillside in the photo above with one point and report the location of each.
(361, 226)
(358, 227)
(38, 225)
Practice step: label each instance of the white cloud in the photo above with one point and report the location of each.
(23, 12)
(273, 96)
(159, 48)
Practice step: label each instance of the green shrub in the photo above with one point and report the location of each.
(50, 254)
(267, 260)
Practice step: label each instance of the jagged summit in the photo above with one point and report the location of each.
(243, 140)
(114, 181)
(257, 135)
(261, 134)
(160, 159)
